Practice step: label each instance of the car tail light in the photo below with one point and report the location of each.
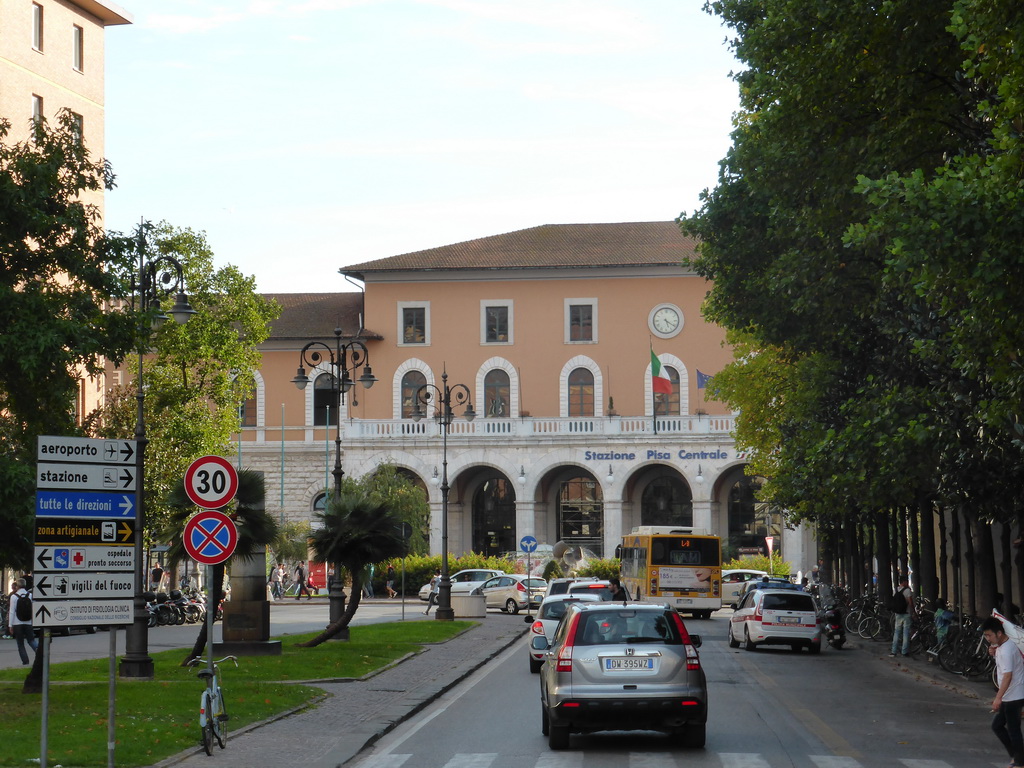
(564, 661)
(692, 659)
(537, 628)
(520, 586)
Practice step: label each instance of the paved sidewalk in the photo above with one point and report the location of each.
(359, 712)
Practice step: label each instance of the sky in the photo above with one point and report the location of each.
(303, 136)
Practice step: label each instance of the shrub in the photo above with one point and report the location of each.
(777, 567)
(601, 569)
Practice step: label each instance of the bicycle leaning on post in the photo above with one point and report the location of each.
(213, 716)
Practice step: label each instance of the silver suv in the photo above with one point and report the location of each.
(613, 667)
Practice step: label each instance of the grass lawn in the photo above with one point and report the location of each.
(158, 718)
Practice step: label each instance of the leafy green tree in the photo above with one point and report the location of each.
(357, 529)
(292, 542)
(256, 529)
(57, 271)
(405, 499)
(197, 375)
(863, 241)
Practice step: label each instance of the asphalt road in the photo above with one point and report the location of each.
(770, 708)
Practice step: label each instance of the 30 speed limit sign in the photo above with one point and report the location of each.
(211, 482)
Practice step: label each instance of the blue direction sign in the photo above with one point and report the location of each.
(85, 450)
(528, 544)
(85, 477)
(84, 504)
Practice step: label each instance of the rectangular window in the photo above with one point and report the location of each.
(78, 48)
(37, 109)
(37, 26)
(78, 126)
(247, 412)
(414, 322)
(580, 320)
(495, 321)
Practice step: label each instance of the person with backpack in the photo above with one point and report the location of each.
(19, 620)
(902, 606)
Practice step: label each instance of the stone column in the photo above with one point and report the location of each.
(246, 623)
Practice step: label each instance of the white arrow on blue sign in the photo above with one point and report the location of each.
(528, 544)
(84, 504)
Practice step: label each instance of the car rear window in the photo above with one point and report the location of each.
(558, 587)
(536, 583)
(627, 626)
(602, 590)
(794, 602)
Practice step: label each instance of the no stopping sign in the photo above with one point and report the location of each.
(211, 482)
(210, 537)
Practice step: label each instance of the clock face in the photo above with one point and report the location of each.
(666, 320)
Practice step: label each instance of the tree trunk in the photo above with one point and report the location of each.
(1006, 570)
(885, 554)
(34, 680)
(211, 605)
(967, 536)
(929, 580)
(944, 591)
(985, 572)
(350, 611)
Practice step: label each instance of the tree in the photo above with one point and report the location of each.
(863, 239)
(406, 500)
(57, 271)
(357, 530)
(198, 375)
(256, 529)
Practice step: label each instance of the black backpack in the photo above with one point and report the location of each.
(23, 610)
(898, 602)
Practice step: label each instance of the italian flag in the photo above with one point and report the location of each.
(661, 383)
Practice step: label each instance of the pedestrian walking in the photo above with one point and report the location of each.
(903, 609)
(1009, 699)
(19, 620)
(156, 576)
(435, 587)
(389, 582)
(300, 579)
(276, 578)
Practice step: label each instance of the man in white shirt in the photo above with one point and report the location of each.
(20, 628)
(1009, 700)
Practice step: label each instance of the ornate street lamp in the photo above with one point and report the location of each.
(443, 397)
(344, 361)
(157, 279)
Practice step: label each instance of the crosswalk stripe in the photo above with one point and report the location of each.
(742, 760)
(385, 761)
(651, 760)
(560, 760)
(913, 763)
(832, 761)
(476, 760)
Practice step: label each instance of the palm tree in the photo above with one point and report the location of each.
(357, 529)
(256, 529)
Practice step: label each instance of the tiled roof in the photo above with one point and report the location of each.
(308, 316)
(551, 246)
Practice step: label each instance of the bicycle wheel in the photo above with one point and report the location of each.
(851, 620)
(221, 720)
(869, 627)
(206, 730)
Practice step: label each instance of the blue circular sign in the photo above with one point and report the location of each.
(528, 544)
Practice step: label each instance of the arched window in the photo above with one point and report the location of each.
(581, 392)
(666, 501)
(325, 401)
(411, 383)
(497, 393)
(667, 403)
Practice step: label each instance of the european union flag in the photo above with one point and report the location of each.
(703, 379)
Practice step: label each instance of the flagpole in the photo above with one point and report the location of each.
(654, 402)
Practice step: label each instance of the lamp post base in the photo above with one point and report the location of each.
(137, 664)
(444, 614)
(336, 601)
(444, 600)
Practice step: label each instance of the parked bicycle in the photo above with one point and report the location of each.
(213, 716)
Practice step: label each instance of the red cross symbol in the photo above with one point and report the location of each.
(77, 557)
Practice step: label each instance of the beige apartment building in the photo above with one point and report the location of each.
(51, 58)
(550, 330)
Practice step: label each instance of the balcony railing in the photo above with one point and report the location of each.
(370, 429)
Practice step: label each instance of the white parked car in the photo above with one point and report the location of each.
(542, 628)
(464, 582)
(776, 617)
(733, 582)
(512, 592)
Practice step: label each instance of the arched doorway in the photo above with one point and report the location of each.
(666, 500)
(750, 520)
(580, 514)
(494, 516)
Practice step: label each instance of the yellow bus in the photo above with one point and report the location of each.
(678, 566)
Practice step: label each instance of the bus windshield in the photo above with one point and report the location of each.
(684, 550)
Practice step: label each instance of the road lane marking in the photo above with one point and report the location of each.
(742, 760)
(560, 760)
(475, 760)
(832, 761)
(651, 760)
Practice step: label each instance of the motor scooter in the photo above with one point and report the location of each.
(832, 626)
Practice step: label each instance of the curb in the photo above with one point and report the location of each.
(384, 729)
